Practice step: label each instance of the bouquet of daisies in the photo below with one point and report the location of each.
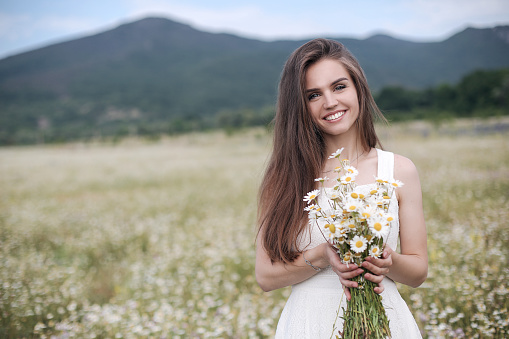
(355, 220)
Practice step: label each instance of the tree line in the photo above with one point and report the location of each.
(42, 119)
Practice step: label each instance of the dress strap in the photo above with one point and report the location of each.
(385, 164)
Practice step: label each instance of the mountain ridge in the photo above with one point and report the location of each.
(167, 71)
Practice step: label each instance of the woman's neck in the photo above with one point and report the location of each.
(350, 141)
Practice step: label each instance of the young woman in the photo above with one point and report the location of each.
(324, 104)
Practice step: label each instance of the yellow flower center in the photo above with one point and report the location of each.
(351, 225)
(354, 195)
(394, 184)
(390, 218)
(377, 226)
(351, 208)
(373, 192)
(348, 179)
(350, 170)
(331, 228)
(312, 196)
(366, 214)
(359, 244)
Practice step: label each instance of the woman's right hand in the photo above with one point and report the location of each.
(344, 272)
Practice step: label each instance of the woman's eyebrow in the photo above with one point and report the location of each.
(332, 84)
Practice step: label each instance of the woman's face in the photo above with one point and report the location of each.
(331, 97)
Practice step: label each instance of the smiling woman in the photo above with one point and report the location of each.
(324, 104)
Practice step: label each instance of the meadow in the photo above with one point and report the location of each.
(155, 239)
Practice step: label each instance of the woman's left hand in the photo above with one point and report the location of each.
(379, 267)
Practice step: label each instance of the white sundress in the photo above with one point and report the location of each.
(311, 309)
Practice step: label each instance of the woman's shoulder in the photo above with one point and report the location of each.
(404, 169)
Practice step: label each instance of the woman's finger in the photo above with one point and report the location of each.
(377, 279)
(375, 269)
(379, 289)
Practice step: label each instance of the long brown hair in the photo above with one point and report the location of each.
(299, 148)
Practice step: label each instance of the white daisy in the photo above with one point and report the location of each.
(347, 258)
(388, 216)
(395, 183)
(311, 196)
(321, 179)
(353, 205)
(368, 211)
(351, 170)
(378, 226)
(348, 178)
(358, 244)
(334, 194)
(375, 251)
(336, 154)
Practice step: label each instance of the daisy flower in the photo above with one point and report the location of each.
(378, 226)
(347, 257)
(336, 154)
(396, 183)
(321, 179)
(388, 216)
(358, 244)
(368, 212)
(333, 195)
(349, 224)
(311, 196)
(347, 178)
(351, 170)
(332, 230)
(353, 205)
(375, 251)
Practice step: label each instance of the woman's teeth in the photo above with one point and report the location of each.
(335, 116)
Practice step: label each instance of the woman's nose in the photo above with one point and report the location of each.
(330, 100)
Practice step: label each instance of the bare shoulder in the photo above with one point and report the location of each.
(404, 168)
(406, 171)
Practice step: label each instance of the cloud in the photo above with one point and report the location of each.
(250, 20)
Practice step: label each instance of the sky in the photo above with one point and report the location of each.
(29, 24)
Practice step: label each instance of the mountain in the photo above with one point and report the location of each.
(158, 71)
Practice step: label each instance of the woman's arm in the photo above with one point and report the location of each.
(274, 275)
(410, 266)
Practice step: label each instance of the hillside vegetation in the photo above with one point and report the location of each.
(156, 76)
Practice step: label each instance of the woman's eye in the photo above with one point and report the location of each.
(313, 96)
(339, 87)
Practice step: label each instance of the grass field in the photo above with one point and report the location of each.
(156, 239)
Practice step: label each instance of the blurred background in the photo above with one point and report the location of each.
(134, 135)
(76, 71)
